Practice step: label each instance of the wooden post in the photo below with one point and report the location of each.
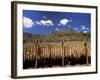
(62, 53)
(36, 61)
(50, 51)
(86, 52)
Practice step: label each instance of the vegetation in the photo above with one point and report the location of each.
(59, 48)
(57, 36)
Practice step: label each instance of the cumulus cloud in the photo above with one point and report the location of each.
(46, 22)
(85, 31)
(83, 27)
(38, 23)
(64, 21)
(27, 22)
(57, 29)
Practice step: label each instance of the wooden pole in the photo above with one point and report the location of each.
(86, 52)
(36, 61)
(62, 53)
(50, 51)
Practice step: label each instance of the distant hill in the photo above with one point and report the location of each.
(67, 35)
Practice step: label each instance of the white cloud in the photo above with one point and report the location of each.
(27, 22)
(57, 29)
(38, 23)
(83, 27)
(46, 22)
(64, 21)
(85, 31)
(43, 22)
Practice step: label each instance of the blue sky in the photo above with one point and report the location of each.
(44, 22)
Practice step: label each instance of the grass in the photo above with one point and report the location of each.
(51, 54)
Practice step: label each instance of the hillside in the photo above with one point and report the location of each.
(67, 35)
